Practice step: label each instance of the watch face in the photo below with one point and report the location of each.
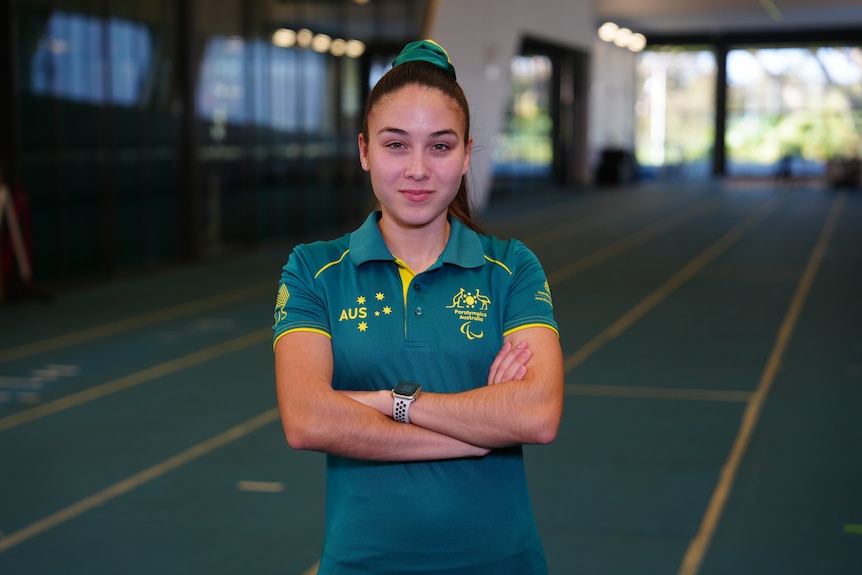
(406, 388)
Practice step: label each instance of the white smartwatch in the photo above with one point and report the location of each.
(403, 395)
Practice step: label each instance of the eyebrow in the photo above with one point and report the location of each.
(401, 132)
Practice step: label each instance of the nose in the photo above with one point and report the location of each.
(417, 166)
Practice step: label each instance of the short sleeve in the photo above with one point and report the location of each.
(529, 301)
(299, 303)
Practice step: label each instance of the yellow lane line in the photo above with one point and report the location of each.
(136, 378)
(672, 284)
(630, 391)
(630, 241)
(538, 216)
(584, 224)
(700, 543)
(138, 479)
(135, 322)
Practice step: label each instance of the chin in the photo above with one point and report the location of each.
(423, 217)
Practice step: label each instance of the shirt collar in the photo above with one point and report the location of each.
(464, 249)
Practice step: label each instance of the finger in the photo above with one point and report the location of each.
(511, 360)
(517, 369)
(495, 365)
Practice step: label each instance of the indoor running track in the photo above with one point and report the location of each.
(712, 337)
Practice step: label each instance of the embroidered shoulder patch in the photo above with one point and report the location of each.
(544, 294)
(280, 302)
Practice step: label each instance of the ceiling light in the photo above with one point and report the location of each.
(607, 31)
(355, 48)
(622, 37)
(338, 47)
(284, 38)
(304, 37)
(637, 42)
(321, 43)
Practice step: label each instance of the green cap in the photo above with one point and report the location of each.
(426, 51)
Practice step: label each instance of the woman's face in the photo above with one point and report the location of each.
(415, 154)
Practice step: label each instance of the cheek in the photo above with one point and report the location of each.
(384, 177)
(384, 171)
(456, 171)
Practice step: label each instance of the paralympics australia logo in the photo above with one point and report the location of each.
(471, 309)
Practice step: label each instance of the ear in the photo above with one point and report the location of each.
(468, 152)
(363, 152)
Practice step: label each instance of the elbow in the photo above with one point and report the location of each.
(297, 441)
(548, 436)
(302, 428)
(545, 433)
(297, 435)
(546, 426)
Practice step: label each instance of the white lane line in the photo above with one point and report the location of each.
(260, 486)
(134, 379)
(135, 322)
(632, 391)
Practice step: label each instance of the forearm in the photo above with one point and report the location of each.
(316, 417)
(350, 429)
(509, 410)
(509, 413)
(502, 415)
(513, 408)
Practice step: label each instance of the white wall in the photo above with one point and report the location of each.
(612, 98)
(482, 37)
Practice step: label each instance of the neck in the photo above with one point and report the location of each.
(418, 247)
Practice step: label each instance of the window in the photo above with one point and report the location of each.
(803, 105)
(675, 112)
(72, 60)
(525, 145)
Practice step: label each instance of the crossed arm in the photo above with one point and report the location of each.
(521, 403)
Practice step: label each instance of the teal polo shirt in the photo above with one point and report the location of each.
(441, 328)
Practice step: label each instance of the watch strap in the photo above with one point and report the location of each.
(401, 409)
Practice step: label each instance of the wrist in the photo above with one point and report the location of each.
(404, 394)
(383, 402)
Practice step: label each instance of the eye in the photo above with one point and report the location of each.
(440, 147)
(395, 145)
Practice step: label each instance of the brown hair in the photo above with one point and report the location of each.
(431, 76)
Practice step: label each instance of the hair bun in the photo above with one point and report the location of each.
(426, 51)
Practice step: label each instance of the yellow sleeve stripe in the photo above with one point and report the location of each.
(336, 262)
(528, 325)
(501, 264)
(309, 329)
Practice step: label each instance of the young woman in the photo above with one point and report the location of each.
(420, 354)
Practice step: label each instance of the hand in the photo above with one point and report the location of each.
(510, 363)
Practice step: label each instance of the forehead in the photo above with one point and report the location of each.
(414, 103)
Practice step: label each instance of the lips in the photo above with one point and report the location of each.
(417, 195)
